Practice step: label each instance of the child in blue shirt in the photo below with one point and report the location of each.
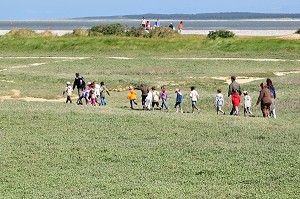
(178, 101)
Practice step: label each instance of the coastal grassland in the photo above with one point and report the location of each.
(57, 150)
(187, 45)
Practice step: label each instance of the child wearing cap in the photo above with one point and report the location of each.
(247, 104)
(178, 101)
(68, 90)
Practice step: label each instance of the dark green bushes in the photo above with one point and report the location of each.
(108, 29)
(298, 31)
(220, 33)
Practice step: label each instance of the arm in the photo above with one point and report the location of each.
(259, 97)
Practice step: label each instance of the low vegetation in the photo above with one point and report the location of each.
(298, 31)
(57, 150)
(220, 34)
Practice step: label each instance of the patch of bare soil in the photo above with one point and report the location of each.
(291, 36)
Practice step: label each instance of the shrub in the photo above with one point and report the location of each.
(298, 31)
(80, 32)
(108, 29)
(220, 33)
(47, 33)
(161, 32)
(22, 33)
(135, 32)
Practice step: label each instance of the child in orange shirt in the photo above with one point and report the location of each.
(132, 96)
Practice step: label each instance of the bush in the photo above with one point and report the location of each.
(22, 33)
(220, 33)
(80, 32)
(298, 31)
(47, 33)
(161, 32)
(108, 29)
(135, 32)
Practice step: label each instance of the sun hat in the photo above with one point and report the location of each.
(68, 83)
(176, 90)
(245, 92)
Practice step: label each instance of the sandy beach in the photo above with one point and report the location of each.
(203, 32)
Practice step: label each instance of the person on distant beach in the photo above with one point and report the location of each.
(219, 102)
(148, 25)
(236, 100)
(180, 25)
(178, 101)
(234, 85)
(264, 99)
(144, 89)
(157, 23)
(164, 97)
(247, 103)
(171, 26)
(79, 82)
(132, 96)
(68, 90)
(273, 97)
(194, 97)
(103, 92)
(156, 97)
(143, 23)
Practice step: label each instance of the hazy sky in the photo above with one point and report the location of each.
(52, 9)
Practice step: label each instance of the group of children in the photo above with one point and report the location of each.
(94, 91)
(236, 101)
(153, 98)
(92, 94)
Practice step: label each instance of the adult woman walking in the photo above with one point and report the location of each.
(264, 99)
(273, 97)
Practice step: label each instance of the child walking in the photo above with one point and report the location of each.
(235, 101)
(219, 102)
(148, 101)
(68, 90)
(132, 96)
(103, 92)
(247, 104)
(194, 97)
(164, 97)
(178, 101)
(155, 99)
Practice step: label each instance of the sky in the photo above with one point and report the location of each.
(59, 9)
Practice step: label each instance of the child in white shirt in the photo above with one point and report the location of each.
(194, 97)
(219, 102)
(68, 90)
(247, 104)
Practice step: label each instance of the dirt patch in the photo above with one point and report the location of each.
(286, 73)
(291, 36)
(126, 58)
(241, 80)
(228, 59)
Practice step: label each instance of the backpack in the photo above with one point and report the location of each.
(81, 81)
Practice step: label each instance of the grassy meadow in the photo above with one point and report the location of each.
(57, 150)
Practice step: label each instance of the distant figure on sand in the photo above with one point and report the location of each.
(143, 23)
(171, 26)
(180, 25)
(157, 23)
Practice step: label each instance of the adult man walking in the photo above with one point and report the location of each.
(80, 84)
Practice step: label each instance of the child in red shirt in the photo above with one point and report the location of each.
(235, 101)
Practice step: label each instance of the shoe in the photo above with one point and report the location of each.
(224, 113)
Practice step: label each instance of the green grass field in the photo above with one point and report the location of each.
(57, 150)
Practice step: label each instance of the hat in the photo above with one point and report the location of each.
(89, 83)
(245, 92)
(130, 87)
(176, 90)
(68, 83)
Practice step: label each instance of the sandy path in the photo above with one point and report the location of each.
(229, 59)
